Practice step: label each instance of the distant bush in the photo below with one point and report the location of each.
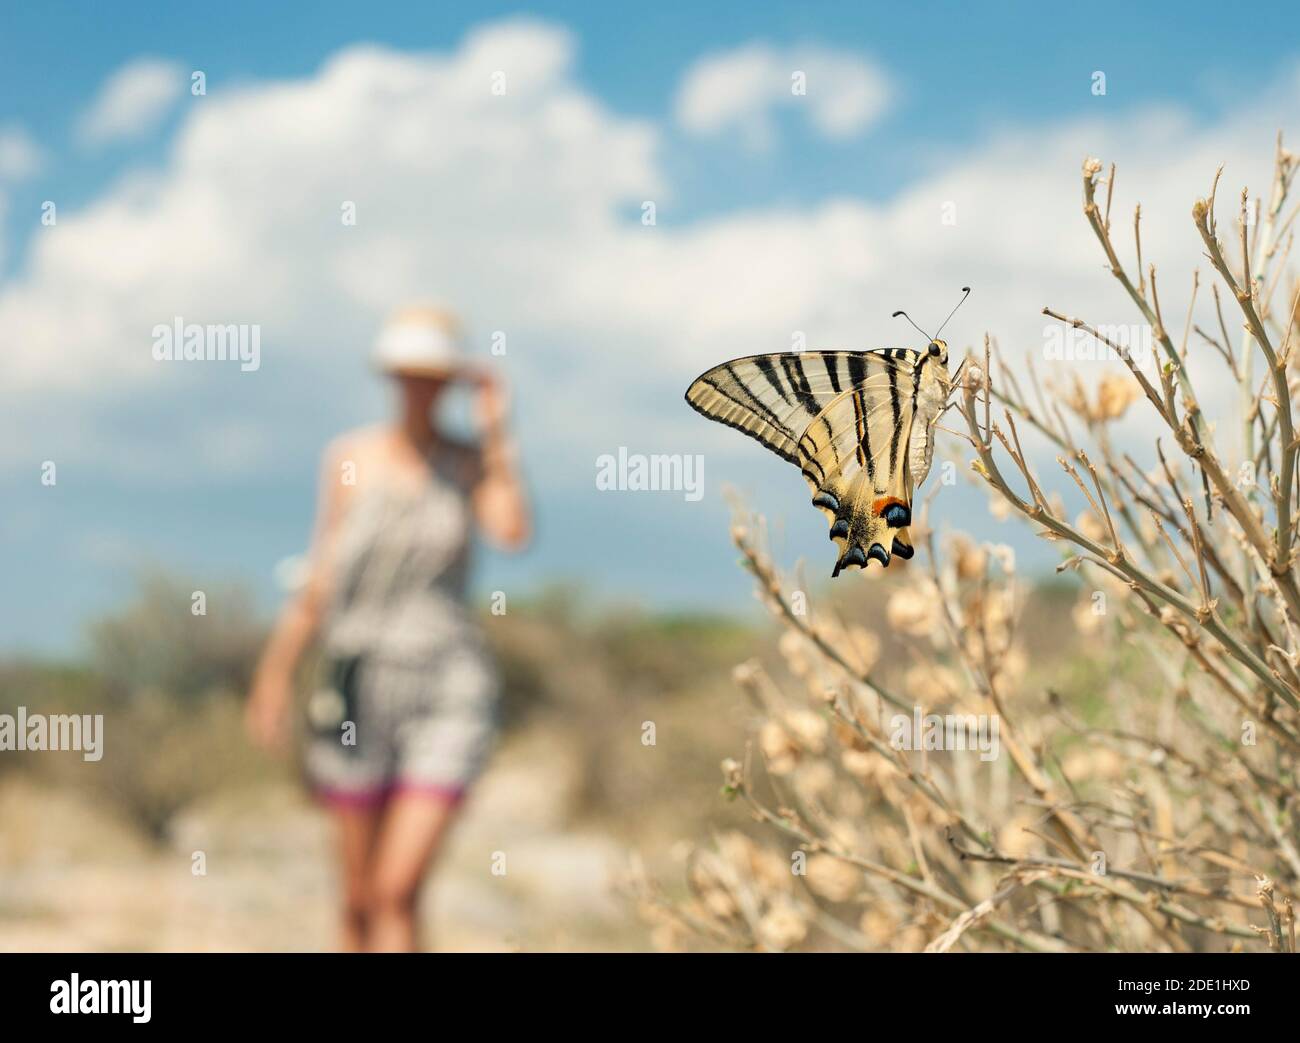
(163, 754)
(169, 683)
(158, 642)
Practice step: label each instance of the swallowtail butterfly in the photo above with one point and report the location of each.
(858, 424)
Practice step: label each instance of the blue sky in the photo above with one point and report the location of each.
(986, 104)
(964, 70)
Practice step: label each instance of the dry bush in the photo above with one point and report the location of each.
(169, 685)
(1158, 815)
(156, 642)
(585, 681)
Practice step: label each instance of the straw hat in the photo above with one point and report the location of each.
(421, 342)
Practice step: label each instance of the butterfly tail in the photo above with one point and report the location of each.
(865, 530)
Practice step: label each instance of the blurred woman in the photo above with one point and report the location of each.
(404, 713)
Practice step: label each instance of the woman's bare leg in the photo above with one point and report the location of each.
(410, 834)
(357, 829)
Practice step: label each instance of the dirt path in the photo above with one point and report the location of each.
(72, 879)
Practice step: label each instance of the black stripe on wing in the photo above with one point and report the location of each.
(709, 408)
(896, 406)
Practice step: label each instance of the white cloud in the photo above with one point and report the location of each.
(132, 102)
(841, 93)
(20, 156)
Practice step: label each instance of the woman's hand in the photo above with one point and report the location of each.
(266, 715)
(500, 504)
(491, 403)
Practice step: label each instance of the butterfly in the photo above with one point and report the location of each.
(859, 425)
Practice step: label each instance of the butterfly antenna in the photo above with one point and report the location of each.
(965, 292)
(918, 329)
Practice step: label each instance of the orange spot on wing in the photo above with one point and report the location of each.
(878, 506)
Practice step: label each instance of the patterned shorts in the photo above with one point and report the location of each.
(377, 727)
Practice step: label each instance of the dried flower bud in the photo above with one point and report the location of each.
(794, 647)
(970, 559)
(783, 926)
(814, 781)
(808, 729)
(913, 611)
(878, 926)
(719, 903)
(931, 684)
(745, 675)
(1005, 556)
(857, 762)
(1115, 393)
(832, 878)
(780, 750)
(863, 648)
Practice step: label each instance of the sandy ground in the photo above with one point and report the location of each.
(73, 879)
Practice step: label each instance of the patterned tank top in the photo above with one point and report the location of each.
(400, 567)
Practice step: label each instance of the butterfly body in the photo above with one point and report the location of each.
(858, 425)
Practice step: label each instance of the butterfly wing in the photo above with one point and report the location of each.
(847, 421)
(773, 398)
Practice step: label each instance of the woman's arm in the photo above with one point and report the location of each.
(267, 712)
(500, 502)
